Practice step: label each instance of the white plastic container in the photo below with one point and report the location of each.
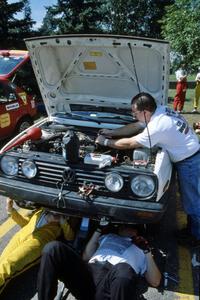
(101, 160)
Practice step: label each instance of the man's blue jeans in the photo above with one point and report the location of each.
(188, 172)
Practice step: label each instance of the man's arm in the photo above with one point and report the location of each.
(121, 144)
(124, 131)
(91, 246)
(152, 274)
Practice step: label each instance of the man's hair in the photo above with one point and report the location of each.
(144, 101)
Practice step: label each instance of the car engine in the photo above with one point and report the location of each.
(79, 146)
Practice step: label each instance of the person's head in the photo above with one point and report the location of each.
(143, 106)
(129, 230)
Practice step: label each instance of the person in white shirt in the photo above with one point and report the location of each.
(181, 88)
(169, 130)
(109, 269)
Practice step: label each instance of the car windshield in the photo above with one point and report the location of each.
(7, 64)
(97, 117)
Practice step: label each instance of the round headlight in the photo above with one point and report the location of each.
(142, 185)
(9, 165)
(114, 182)
(29, 169)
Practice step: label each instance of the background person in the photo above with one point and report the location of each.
(114, 263)
(181, 87)
(25, 247)
(196, 92)
(169, 130)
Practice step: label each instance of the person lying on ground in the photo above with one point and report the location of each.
(109, 269)
(25, 247)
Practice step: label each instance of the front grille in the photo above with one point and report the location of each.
(52, 173)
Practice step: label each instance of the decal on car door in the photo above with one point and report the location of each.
(12, 106)
(4, 120)
(23, 96)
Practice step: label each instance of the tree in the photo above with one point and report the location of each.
(13, 30)
(136, 17)
(73, 16)
(140, 18)
(180, 26)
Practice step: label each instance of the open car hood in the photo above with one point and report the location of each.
(99, 70)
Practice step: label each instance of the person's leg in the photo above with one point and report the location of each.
(19, 259)
(197, 95)
(60, 261)
(182, 101)
(118, 284)
(189, 184)
(175, 103)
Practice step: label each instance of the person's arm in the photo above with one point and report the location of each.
(91, 246)
(124, 131)
(152, 274)
(13, 213)
(121, 144)
(68, 231)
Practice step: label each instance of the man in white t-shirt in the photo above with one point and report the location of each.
(109, 269)
(169, 130)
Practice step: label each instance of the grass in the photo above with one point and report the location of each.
(191, 77)
(188, 106)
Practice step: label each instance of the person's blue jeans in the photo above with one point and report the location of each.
(188, 172)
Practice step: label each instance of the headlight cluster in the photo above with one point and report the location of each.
(10, 166)
(114, 182)
(29, 169)
(141, 185)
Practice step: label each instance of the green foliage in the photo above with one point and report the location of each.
(140, 18)
(73, 16)
(180, 26)
(13, 30)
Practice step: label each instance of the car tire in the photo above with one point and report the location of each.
(23, 124)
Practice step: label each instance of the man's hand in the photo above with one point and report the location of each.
(9, 205)
(142, 243)
(100, 140)
(103, 226)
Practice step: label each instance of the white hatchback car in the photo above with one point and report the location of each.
(87, 82)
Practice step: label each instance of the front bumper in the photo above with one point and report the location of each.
(71, 203)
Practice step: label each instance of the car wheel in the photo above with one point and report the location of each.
(24, 124)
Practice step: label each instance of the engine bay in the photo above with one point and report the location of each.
(77, 144)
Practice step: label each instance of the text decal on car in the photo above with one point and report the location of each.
(12, 106)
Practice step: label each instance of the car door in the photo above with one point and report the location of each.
(9, 109)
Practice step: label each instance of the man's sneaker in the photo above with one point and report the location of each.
(194, 111)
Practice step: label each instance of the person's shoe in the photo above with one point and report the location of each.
(194, 111)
